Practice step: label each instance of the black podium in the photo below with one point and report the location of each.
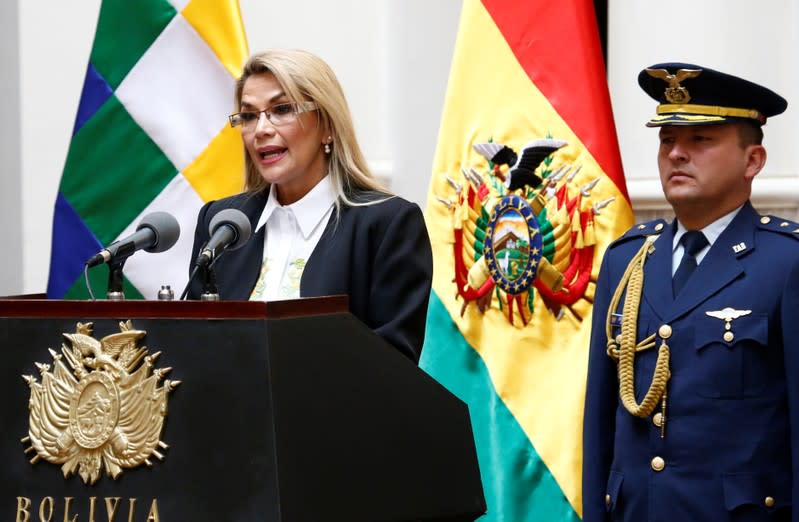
(228, 411)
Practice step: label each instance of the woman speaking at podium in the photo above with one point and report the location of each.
(322, 225)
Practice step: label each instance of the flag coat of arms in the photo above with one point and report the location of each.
(526, 193)
(151, 134)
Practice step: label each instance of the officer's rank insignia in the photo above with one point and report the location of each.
(523, 226)
(100, 406)
(727, 315)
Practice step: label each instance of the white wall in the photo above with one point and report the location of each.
(757, 41)
(393, 58)
(10, 191)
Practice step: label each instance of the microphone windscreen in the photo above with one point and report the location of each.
(166, 228)
(235, 219)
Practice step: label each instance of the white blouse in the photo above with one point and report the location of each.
(292, 233)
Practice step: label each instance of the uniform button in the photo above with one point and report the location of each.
(659, 227)
(608, 500)
(657, 420)
(658, 463)
(641, 227)
(769, 501)
(664, 331)
(729, 336)
(765, 220)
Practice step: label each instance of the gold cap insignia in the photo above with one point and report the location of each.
(675, 93)
(99, 406)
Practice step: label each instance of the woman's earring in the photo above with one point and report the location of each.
(327, 144)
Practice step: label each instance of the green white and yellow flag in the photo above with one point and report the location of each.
(150, 134)
(527, 192)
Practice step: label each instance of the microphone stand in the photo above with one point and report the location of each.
(115, 280)
(210, 292)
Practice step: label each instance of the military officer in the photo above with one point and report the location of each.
(692, 405)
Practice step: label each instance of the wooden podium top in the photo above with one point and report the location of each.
(21, 306)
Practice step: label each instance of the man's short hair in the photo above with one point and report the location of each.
(749, 133)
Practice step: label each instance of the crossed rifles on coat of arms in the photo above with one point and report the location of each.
(523, 227)
(100, 406)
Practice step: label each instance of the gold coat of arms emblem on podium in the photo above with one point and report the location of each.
(100, 406)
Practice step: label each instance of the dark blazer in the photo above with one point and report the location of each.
(729, 449)
(379, 255)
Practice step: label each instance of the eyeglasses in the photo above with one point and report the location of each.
(280, 114)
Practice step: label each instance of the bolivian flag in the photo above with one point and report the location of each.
(151, 134)
(527, 191)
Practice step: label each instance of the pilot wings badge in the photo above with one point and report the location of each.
(99, 406)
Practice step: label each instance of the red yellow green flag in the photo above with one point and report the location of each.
(527, 192)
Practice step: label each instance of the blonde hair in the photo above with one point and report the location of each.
(304, 76)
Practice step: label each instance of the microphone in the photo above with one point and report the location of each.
(157, 232)
(229, 230)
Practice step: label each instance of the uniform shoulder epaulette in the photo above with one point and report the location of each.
(640, 230)
(778, 224)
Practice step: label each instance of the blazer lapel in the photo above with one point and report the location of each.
(657, 273)
(313, 279)
(720, 266)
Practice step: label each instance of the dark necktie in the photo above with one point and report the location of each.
(692, 241)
